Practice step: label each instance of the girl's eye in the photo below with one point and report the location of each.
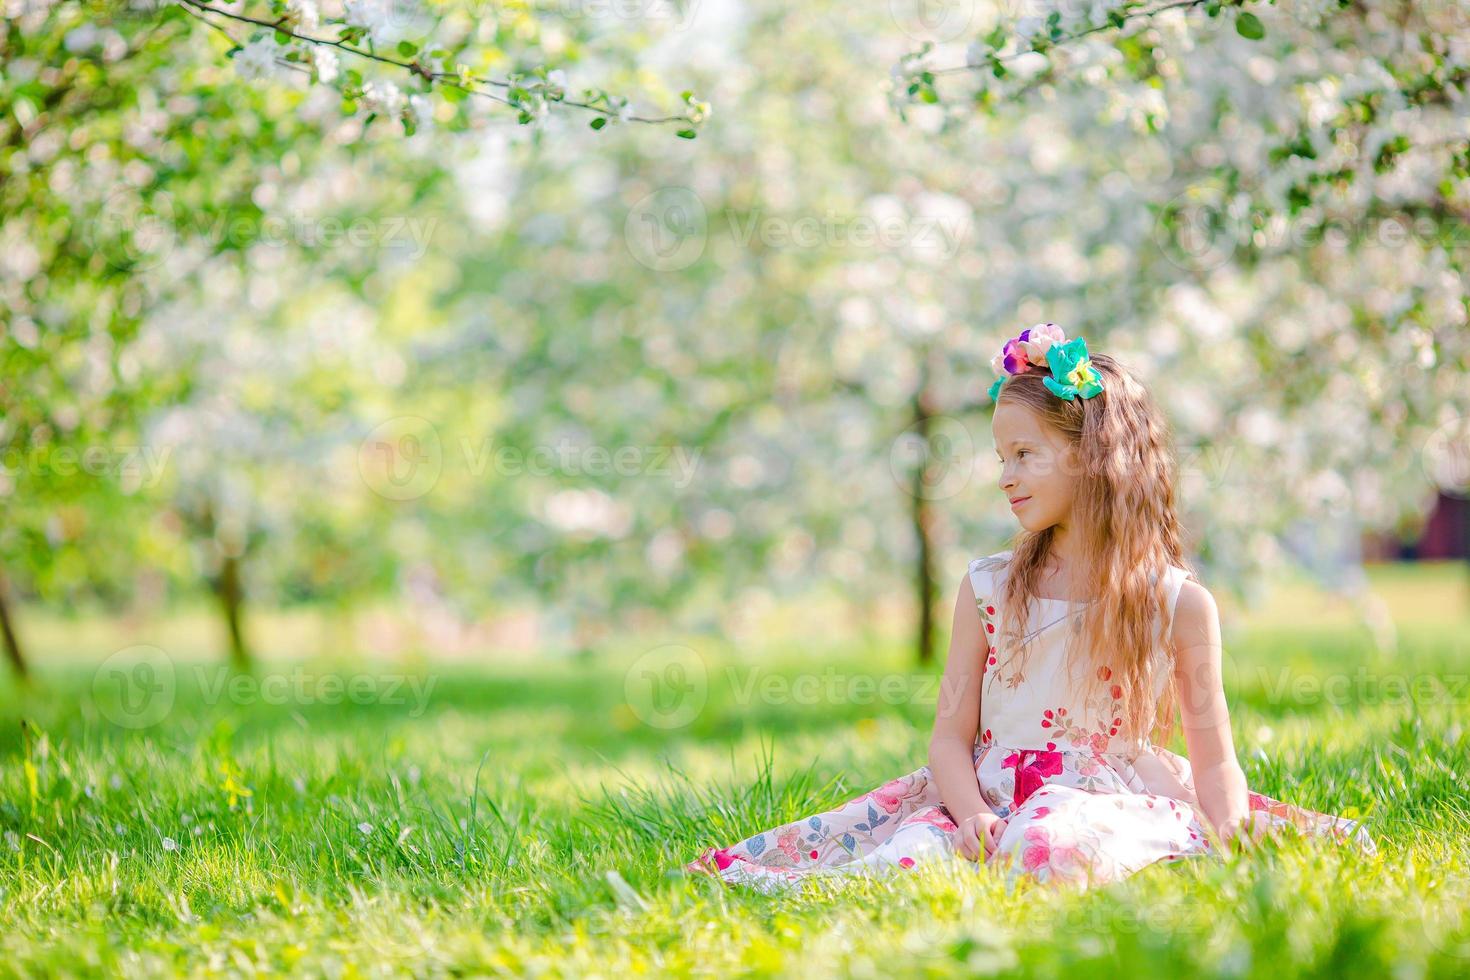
(1021, 452)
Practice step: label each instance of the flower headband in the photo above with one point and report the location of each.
(1045, 346)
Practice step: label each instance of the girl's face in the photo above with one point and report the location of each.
(1038, 466)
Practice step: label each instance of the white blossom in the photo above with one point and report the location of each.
(375, 15)
(324, 61)
(420, 111)
(83, 38)
(305, 12)
(384, 98)
(257, 59)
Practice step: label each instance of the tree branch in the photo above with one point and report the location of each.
(451, 79)
(1111, 25)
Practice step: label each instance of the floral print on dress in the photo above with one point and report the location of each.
(1082, 805)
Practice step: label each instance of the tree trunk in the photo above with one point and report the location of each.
(231, 597)
(923, 517)
(7, 637)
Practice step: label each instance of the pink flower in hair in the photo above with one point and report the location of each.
(1025, 353)
(1039, 339)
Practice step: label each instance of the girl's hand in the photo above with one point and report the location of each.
(1245, 833)
(979, 834)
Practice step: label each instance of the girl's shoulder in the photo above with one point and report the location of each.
(997, 560)
(1177, 576)
(985, 572)
(1191, 599)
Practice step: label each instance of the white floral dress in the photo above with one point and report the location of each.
(1081, 806)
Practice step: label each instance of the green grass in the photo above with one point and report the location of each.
(474, 836)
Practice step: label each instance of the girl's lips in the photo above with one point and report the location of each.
(1019, 502)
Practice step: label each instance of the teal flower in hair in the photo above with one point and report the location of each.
(1072, 373)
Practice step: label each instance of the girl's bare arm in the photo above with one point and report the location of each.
(1219, 782)
(957, 717)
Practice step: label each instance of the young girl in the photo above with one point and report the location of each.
(1069, 653)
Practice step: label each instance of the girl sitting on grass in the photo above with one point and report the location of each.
(1070, 654)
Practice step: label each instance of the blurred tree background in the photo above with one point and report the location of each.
(650, 317)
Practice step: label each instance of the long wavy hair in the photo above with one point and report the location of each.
(1120, 448)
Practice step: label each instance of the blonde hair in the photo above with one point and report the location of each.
(1123, 516)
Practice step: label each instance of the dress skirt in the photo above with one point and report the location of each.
(1073, 816)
